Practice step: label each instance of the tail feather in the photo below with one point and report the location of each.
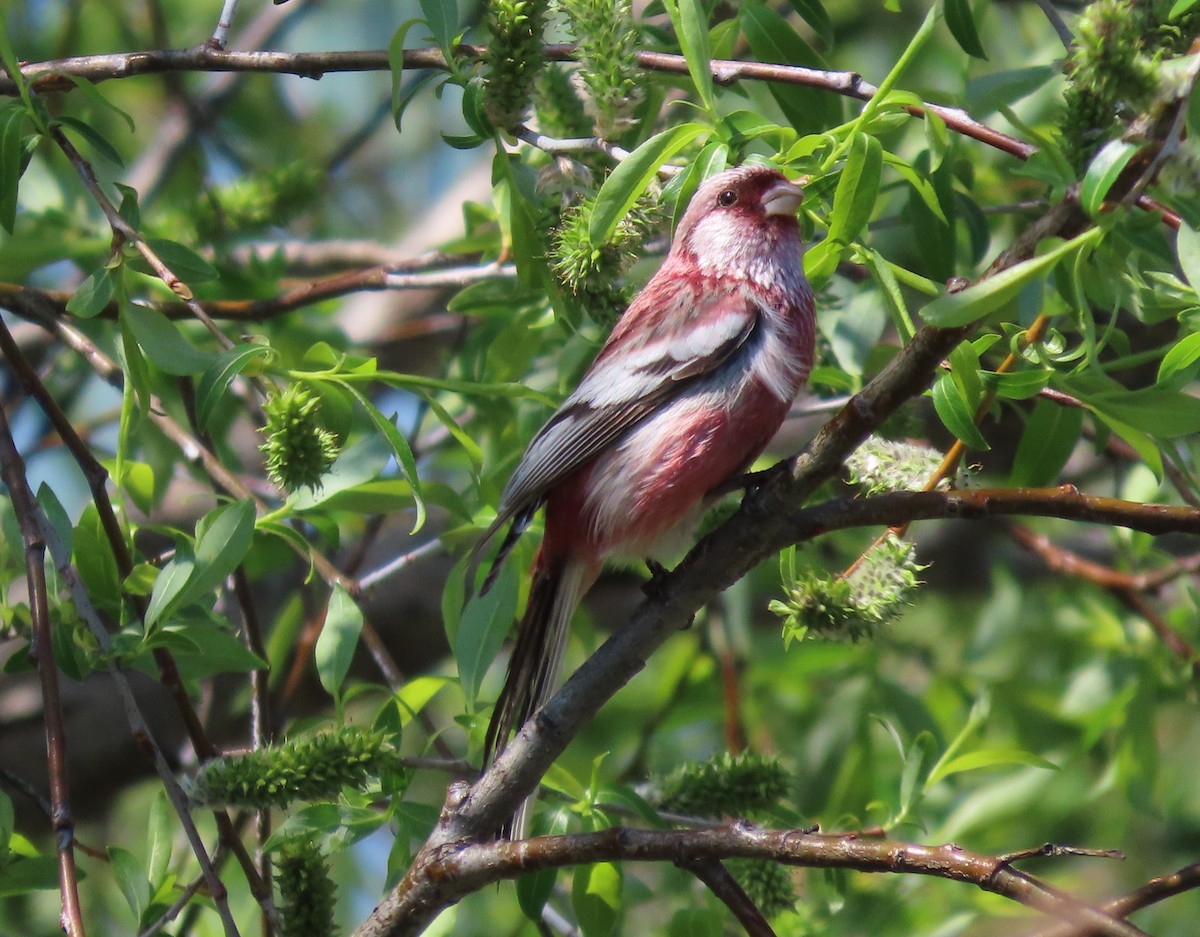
(536, 661)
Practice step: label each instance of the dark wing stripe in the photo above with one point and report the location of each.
(578, 432)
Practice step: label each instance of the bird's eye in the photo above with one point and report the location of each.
(727, 198)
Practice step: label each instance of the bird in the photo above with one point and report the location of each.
(695, 378)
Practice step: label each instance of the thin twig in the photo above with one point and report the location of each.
(12, 471)
(722, 884)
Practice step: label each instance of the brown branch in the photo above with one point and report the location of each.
(721, 883)
(36, 304)
(50, 75)
(452, 874)
(1064, 502)
(1155, 890)
(12, 471)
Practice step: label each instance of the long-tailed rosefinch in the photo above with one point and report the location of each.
(690, 387)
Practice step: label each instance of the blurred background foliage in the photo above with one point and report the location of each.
(1010, 704)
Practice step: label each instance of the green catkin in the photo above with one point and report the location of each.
(305, 769)
(606, 46)
(307, 895)
(741, 785)
(257, 202)
(856, 606)
(513, 59)
(594, 275)
(726, 785)
(882, 465)
(1112, 72)
(560, 112)
(298, 449)
(767, 883)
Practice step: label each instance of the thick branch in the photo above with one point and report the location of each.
(455, 873)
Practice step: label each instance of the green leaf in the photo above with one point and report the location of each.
(696, 922)
(596, 898)
(629, 180)
(956, 413)
(416, 694)
(813, 13)
(979, 299)
(339, 637)
(1187, 248)
(395, 58)
(481, 630)
(857, 188)
(223, 538)
(988, 758)
(93, 136)
(691, 28)
(159, 837)
(131, 878)
(217, 377)
(399, 446)
(442, 19)
(29, 873)
(1105, 168)
(12, 162)
(1158, 411)
(772, 39)
(92, 93)
(170, 583)
(94, 559)
(211, 651)
(184, 262)
(1179, 364)
(961, 22)
(163, 343)
(1016, 385)
(534, 889)
(94, 294)
(1181, 7)
(1048, 441)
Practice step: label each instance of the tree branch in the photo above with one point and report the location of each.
(455, 873)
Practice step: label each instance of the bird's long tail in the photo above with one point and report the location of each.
(536, 661)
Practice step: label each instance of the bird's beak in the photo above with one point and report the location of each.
(783, 199)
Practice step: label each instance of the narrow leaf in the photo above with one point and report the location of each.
(1187, 248)
(163, 343)
(94, 294)
(961, 23)
(184, 262)
(976, 301)
(857, 187)
(956, 413)
(1105, 167)
(1048, 441)
(481, 630)
(629, 180)
(12, 124)
(1180, 363)
(813, 13)
(217, 377)
(691, 28)
(338, 639)
(399, 446)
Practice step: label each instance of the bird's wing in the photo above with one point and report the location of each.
(626, 383)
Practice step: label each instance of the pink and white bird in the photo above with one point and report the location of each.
(693, 382)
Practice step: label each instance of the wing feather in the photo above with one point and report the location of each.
(618, 392)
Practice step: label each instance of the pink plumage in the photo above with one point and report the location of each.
(693, 382)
